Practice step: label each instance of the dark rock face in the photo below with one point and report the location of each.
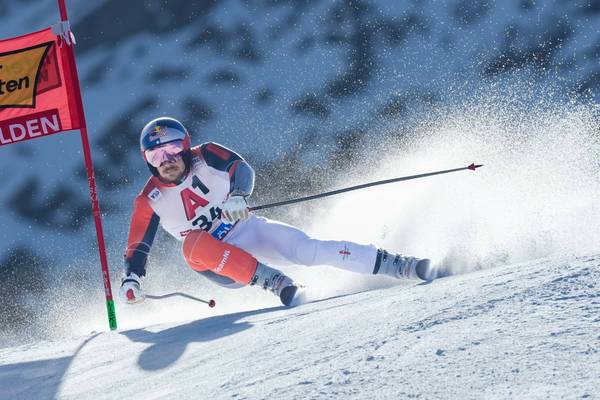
(62, 209)
(116, 21)
(311, 105)
(468, 12)
(520, 50)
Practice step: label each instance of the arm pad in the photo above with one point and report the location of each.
(241, 174)
(242, 180)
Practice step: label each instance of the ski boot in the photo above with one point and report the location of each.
(276, 282)
(398, 266)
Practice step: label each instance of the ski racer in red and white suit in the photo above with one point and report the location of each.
(205, 207)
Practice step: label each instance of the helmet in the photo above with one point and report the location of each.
(163, 130)
(160, 131)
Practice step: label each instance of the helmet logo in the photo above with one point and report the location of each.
(158, 132)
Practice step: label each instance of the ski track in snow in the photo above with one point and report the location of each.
(528, 330)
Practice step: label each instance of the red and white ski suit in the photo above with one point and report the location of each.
(227, 254)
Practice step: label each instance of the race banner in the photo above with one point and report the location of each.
(36, 94)
(40, 96)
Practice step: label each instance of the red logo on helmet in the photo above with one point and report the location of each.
(158, 132)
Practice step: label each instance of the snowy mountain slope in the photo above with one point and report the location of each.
(307, 80)
(529, 330)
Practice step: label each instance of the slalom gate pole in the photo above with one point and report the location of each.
(76, 92)
(211, 303)
(471, 167)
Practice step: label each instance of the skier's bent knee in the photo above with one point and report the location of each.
(203, 252)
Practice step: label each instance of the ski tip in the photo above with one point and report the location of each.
(423, 269)
(293, 295)
(474, 166)
(288, 294)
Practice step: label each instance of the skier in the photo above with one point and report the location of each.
(199, 195)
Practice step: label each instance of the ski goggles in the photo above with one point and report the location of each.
(167, 152)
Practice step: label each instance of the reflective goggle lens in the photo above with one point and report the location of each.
(167, 152)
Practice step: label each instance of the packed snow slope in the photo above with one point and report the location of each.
(529, 330)
(292, 83)
(316, 95)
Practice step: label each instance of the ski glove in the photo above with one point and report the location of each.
(130, 291)
(234, 209)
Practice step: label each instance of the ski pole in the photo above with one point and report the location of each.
(471, 167)
(211, 303)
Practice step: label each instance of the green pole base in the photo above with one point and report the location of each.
(112, 316)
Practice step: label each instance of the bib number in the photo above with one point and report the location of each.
(204, 222)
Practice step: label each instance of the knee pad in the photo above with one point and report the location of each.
(203, 252)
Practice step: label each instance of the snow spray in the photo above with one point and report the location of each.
(538, 196)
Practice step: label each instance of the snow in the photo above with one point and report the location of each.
(509, 327)
(512, 325)
(529, 330)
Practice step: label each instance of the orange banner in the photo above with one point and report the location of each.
(36, 92)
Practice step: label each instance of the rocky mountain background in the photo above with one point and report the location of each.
(306, 90)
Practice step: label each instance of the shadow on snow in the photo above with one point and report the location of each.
(168, 345)
(40, 379)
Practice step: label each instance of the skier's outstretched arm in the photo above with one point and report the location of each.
(142, 230)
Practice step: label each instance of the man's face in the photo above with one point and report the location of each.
(172, 171)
